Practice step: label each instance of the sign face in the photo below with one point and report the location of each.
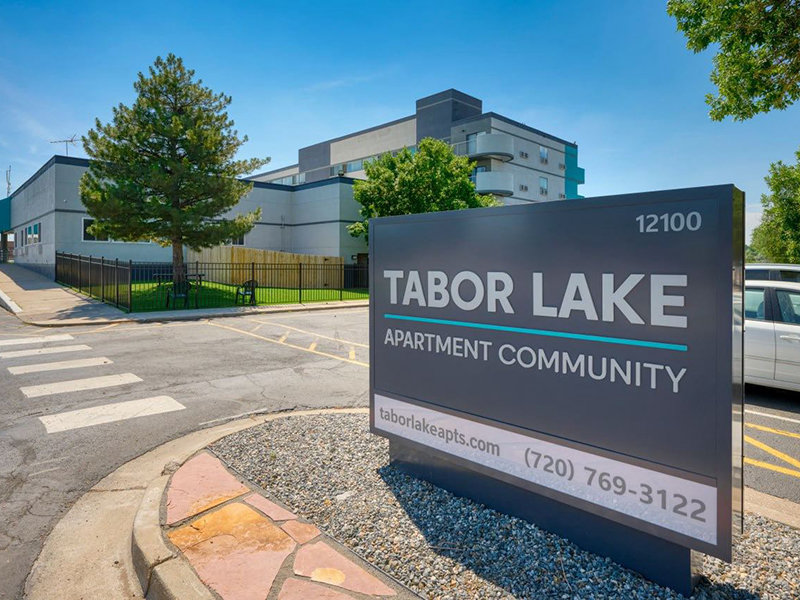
(585, 350)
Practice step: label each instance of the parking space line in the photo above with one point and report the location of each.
(278, 342)
(771, 430)
(771, 416)
(60, 365)
(39, 339)
(40, 351)
(109, 413)
(314, 333)
(771, 467)
(79, 385)
(770, 450)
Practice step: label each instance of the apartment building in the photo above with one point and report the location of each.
(515, 162)
(306, 207)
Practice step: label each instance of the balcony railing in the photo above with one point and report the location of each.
(488, 145)
(499, 183)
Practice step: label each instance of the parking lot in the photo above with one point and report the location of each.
(80, 401)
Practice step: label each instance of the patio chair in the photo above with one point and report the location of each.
(247, 290)
(182, 289)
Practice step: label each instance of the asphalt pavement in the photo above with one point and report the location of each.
(100, 396)
(78, 402)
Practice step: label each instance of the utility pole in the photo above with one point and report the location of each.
(66, 142)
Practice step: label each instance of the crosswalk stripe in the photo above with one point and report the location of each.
(108, 413)
(39, 351)
(60, 365)
(39, 339)
(78, 385)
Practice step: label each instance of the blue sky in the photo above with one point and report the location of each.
(614, 77)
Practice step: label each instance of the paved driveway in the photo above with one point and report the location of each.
(79, 402)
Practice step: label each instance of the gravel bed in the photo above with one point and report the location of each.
(332, 471)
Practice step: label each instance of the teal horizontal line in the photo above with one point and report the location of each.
(543, 332)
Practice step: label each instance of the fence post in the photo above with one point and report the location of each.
(130, 286)
(253, 271)
(80, 273)
(102, 278)
(341, 282)
(89, 281)
(116, 282)
(300, 282)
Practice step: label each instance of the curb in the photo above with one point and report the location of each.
(10, 305)
(162, 573)
(195, 316)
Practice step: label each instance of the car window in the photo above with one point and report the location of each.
(789, 305)
(757, 274)
(754, 304)
(789, 275)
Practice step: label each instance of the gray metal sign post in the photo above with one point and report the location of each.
(577, 364)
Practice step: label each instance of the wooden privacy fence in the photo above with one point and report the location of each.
(270, 267)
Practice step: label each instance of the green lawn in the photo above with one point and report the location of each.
(147, 296)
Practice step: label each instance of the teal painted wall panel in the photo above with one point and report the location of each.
(5, 214)
(574, 175)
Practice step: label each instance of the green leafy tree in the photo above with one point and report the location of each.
(777, 238)
(164, 169)
(757, 66)
(429, 180)
(752, 256)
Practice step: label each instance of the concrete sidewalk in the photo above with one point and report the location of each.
(36, 300)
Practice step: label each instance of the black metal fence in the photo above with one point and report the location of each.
(155, 286)
(101, 278)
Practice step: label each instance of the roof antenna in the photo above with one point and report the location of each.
(66, 142)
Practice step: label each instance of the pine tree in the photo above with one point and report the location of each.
(163, 169)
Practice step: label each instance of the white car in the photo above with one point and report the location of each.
(772, 334)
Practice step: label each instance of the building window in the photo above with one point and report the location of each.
(239, 241)
(472, 143)
(475, 172)
(88, 237)
(544, 154)
(543, 186)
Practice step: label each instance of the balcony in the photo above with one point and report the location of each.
(499, 183)
(490, 145)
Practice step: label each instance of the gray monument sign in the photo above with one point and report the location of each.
(576, 363)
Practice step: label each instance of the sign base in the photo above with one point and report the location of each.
(658, 560)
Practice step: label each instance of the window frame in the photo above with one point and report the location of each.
(778, 312)
(767, 304)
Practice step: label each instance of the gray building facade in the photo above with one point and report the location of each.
(46, 216)
(515, 162)
(306, 207)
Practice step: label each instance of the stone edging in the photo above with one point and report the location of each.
(163, 573)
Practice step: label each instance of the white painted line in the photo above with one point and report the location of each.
(119, 411)
(60, 365)
(79, 385)
(38, 351)
(771, 416)
(37, 339)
